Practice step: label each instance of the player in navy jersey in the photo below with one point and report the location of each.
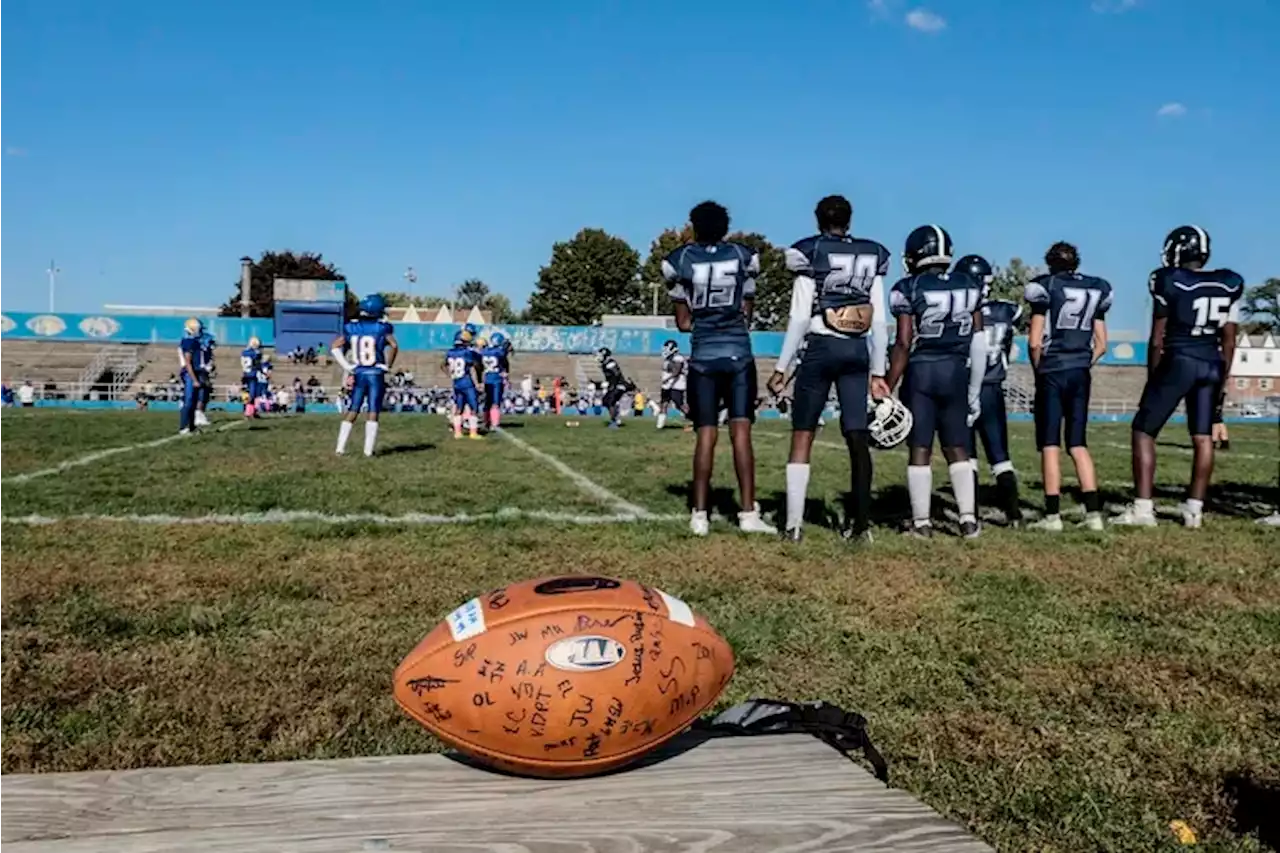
(1193, 340)
(462, 364)
(208, 346)
(250, 361)
(192, 375)
(837, 318)
(493, 362)
(713, 286)
(615, 385)
(941, 351)
(372, 344)
(1067, 337)
(999, 319)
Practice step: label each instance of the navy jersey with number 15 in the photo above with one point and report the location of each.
(942, 306)
(1070, 303)
(367, 343)
(714, 281)
(1196, 305)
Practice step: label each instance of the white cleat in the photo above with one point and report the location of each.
(201, 419)
(751, 522)
(1093, 521)
(1191, 520)
(184, 431)
(699, 524)
(1048, 524)
(1130, 517)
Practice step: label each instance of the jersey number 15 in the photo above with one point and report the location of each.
(1212, 312)
(714, 284)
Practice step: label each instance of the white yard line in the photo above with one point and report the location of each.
(279, 516)
(584, 483)
(110, 451)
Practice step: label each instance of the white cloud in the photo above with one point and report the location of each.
(925, 21)
(1113, 7)
(1173, 109)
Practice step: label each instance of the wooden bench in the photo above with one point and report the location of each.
(736, 795)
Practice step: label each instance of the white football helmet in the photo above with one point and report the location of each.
(889, 421)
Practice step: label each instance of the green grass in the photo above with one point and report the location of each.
(1051, 693)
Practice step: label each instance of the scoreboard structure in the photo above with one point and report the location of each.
(309, 313)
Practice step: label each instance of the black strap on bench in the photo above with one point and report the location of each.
(844, 730)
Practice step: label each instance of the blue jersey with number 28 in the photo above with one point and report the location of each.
(458, 361)
(367, 343)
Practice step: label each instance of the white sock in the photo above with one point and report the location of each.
(962, 487)
(1144, 507)
(1194, 506)
(797, 487)
(920, 490)
(344, 432)
(662, 420)
(370, 436)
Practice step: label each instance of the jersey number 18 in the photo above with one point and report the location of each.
(365, 349)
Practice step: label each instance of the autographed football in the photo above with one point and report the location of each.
(564, 676)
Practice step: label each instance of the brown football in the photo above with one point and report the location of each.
(564, 676)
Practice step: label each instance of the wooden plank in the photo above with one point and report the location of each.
(737, 795)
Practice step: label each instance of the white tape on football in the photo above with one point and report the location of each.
(467, 621)
(677, 610)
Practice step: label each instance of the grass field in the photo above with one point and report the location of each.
(1054, 693)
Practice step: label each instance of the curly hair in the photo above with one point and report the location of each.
(834, 212)
(710, 222)
(1062, 257)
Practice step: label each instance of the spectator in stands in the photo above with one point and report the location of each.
(313, 382)
(51, 390)
(27, 394)
(311, 355)
(638, 404)
(6, 395)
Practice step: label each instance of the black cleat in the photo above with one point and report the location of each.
(920, 531)
(793, 534)
(856, 535)
(970, 529)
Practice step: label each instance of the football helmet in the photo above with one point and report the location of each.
(977, 267)
(498, 340)
(1185, 244)
(602, 354)
(472, 330)
(193, 328)
(461, 338)
(670, 348)
(926, 246)
(482, 342)
(254, 343)
(373, 306)
(889, 421)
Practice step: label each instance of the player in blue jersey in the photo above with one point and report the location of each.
(250, 361)
(495, 367)
(837, 318)
(372, 344)
(999, 320)
(1193, 341)
(462, 364)
(713, 287)
(941, 351)
(207, 348)
(1067, 337)
(193, 374)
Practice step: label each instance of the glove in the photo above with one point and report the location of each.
(975, 409)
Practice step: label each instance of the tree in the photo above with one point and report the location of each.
(273, 265)
(773, 286)
(400, 299)
(499, 308)
(470, 293)
(1009, 282)
(1260, 307)
(591, 275)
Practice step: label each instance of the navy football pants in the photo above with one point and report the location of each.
(1062, 400)
(937, 393)
(1178, 378)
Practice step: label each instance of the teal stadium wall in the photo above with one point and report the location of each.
(234, 331)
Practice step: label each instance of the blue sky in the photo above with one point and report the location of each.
(148, 145)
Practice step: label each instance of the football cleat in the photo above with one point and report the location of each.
(1130, 517)
(1048, 524)
(751, 522)
(970, 529)
(793, 534)
(1093, 521)
(889, 422)
(920, 531)
(699, 524)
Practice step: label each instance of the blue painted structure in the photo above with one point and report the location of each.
(233, 331)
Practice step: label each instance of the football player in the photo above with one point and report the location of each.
(999, 319)
(462, 363)
(837, 316)
(493, 360)
(615, 385)
(713, 286)
(674, 381)
(372, 343)
(1193, 341)
(250, 361)
(207, 347)
(193, 373)
(942, 352)
(1067, 337)
(263, 402)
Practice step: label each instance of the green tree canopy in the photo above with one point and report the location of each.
(651, 273)
(273, 265)
(1009, 282)
(471, 293)
(591, 275)
(400, 299)
(1260, 307)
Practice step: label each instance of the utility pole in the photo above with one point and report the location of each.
(411, 276)
(53, 281)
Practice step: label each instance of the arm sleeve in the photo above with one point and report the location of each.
(798, 325)
(879, 329)
(753, 272)
(977, 366)
(672, 277)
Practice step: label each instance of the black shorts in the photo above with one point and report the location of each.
(937, 393)
(671, 397)
(1062, 399)
(992, 427)
(613, 395)
(1178, 378)
(844, 362)
(722, 383)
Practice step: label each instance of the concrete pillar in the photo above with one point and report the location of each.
(246, 280)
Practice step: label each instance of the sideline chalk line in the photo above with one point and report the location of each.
(587, 485)
(280, 516)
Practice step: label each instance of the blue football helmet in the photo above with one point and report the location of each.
(461, 338)
(497, 339)
(373, 306)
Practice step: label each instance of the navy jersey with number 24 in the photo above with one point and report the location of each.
(942, 305)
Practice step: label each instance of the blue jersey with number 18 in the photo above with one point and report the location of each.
(367, 343)
(1070, 303)
(941, 304)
